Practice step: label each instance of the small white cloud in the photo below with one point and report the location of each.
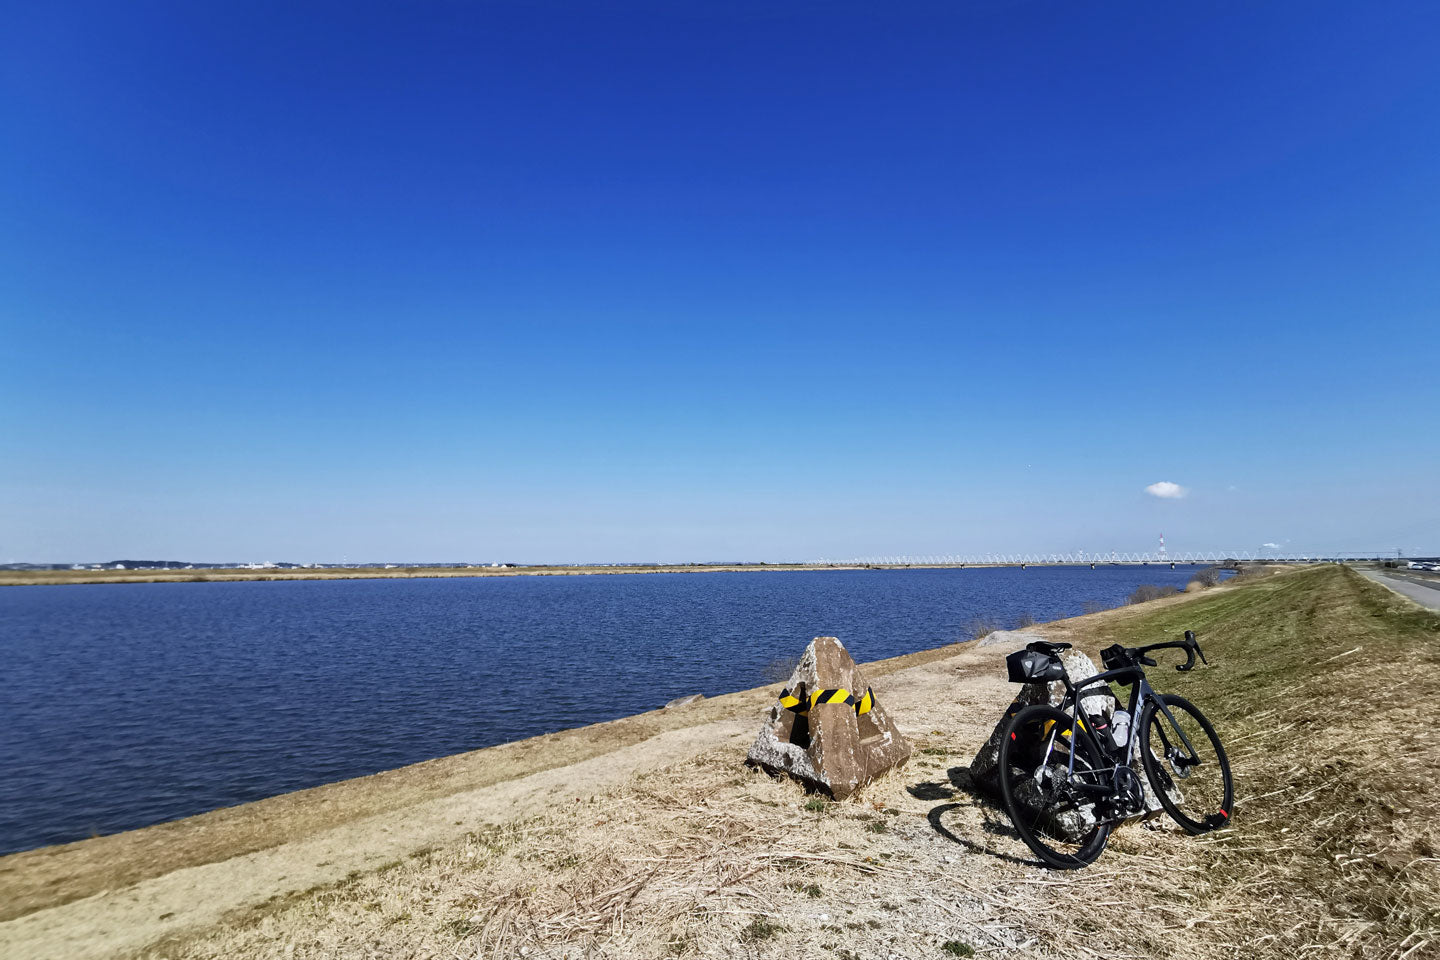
(1271, 546)
(1166, 490)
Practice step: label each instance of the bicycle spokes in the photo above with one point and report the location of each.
(1044, 776)
(1186, 765)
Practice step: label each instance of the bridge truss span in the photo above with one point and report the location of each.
(1085, 558)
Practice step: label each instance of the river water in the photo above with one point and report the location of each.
(124, 705)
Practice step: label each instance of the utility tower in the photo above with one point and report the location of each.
(1162, 547)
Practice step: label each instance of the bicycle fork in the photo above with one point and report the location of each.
(1180, 766)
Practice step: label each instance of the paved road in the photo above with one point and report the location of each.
(1423, 588)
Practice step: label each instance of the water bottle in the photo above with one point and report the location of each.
(1120, 728)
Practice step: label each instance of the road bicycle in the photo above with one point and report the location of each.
(1067, 779)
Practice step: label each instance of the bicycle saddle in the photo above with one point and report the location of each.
(1045, 646)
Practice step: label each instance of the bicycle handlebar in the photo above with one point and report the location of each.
(1189, 663)
(1190, 645)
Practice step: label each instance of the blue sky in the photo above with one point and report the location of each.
(548, 281)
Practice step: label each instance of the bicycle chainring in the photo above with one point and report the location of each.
(1127, 800)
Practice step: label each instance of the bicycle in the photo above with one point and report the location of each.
(1065, 794)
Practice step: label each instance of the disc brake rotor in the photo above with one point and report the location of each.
(1180, 766)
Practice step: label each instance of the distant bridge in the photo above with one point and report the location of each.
(1096, 559)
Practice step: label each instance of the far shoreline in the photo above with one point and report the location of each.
(38, 578)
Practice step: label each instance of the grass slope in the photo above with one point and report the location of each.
(1326, 690)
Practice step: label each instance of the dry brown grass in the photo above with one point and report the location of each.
(1326, 692)
(703, 859)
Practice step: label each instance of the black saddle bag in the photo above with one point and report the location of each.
(1032, 666)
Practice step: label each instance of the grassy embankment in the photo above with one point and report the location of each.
(1327, 689)
(1324, 686)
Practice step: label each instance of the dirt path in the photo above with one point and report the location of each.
(52, 876)
(121, 922)
(114, 895)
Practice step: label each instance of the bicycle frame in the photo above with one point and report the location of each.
(1140, 693)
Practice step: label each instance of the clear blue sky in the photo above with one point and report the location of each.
(552, 281)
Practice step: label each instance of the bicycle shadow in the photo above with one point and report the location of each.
(963, 794)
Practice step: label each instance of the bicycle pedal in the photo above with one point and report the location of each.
(1109, 814)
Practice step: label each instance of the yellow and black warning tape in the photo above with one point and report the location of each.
(862, 703)
(1019, 705)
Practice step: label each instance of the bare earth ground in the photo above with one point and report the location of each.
(649, 838)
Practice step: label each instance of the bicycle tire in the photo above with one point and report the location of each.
(1206, 803)
(1041, 825)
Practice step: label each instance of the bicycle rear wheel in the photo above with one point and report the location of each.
(1056, 821)
(1187, 766)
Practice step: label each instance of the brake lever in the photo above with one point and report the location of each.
(1190, 639)
(1190, 647)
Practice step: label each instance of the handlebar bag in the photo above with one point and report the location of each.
(1114, 657)
(1032, 666)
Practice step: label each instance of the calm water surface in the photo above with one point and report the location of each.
(124, 705)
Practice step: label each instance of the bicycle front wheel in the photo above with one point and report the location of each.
(1186, 765)
(1056, 820)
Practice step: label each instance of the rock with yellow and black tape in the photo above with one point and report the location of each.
(827, 729)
